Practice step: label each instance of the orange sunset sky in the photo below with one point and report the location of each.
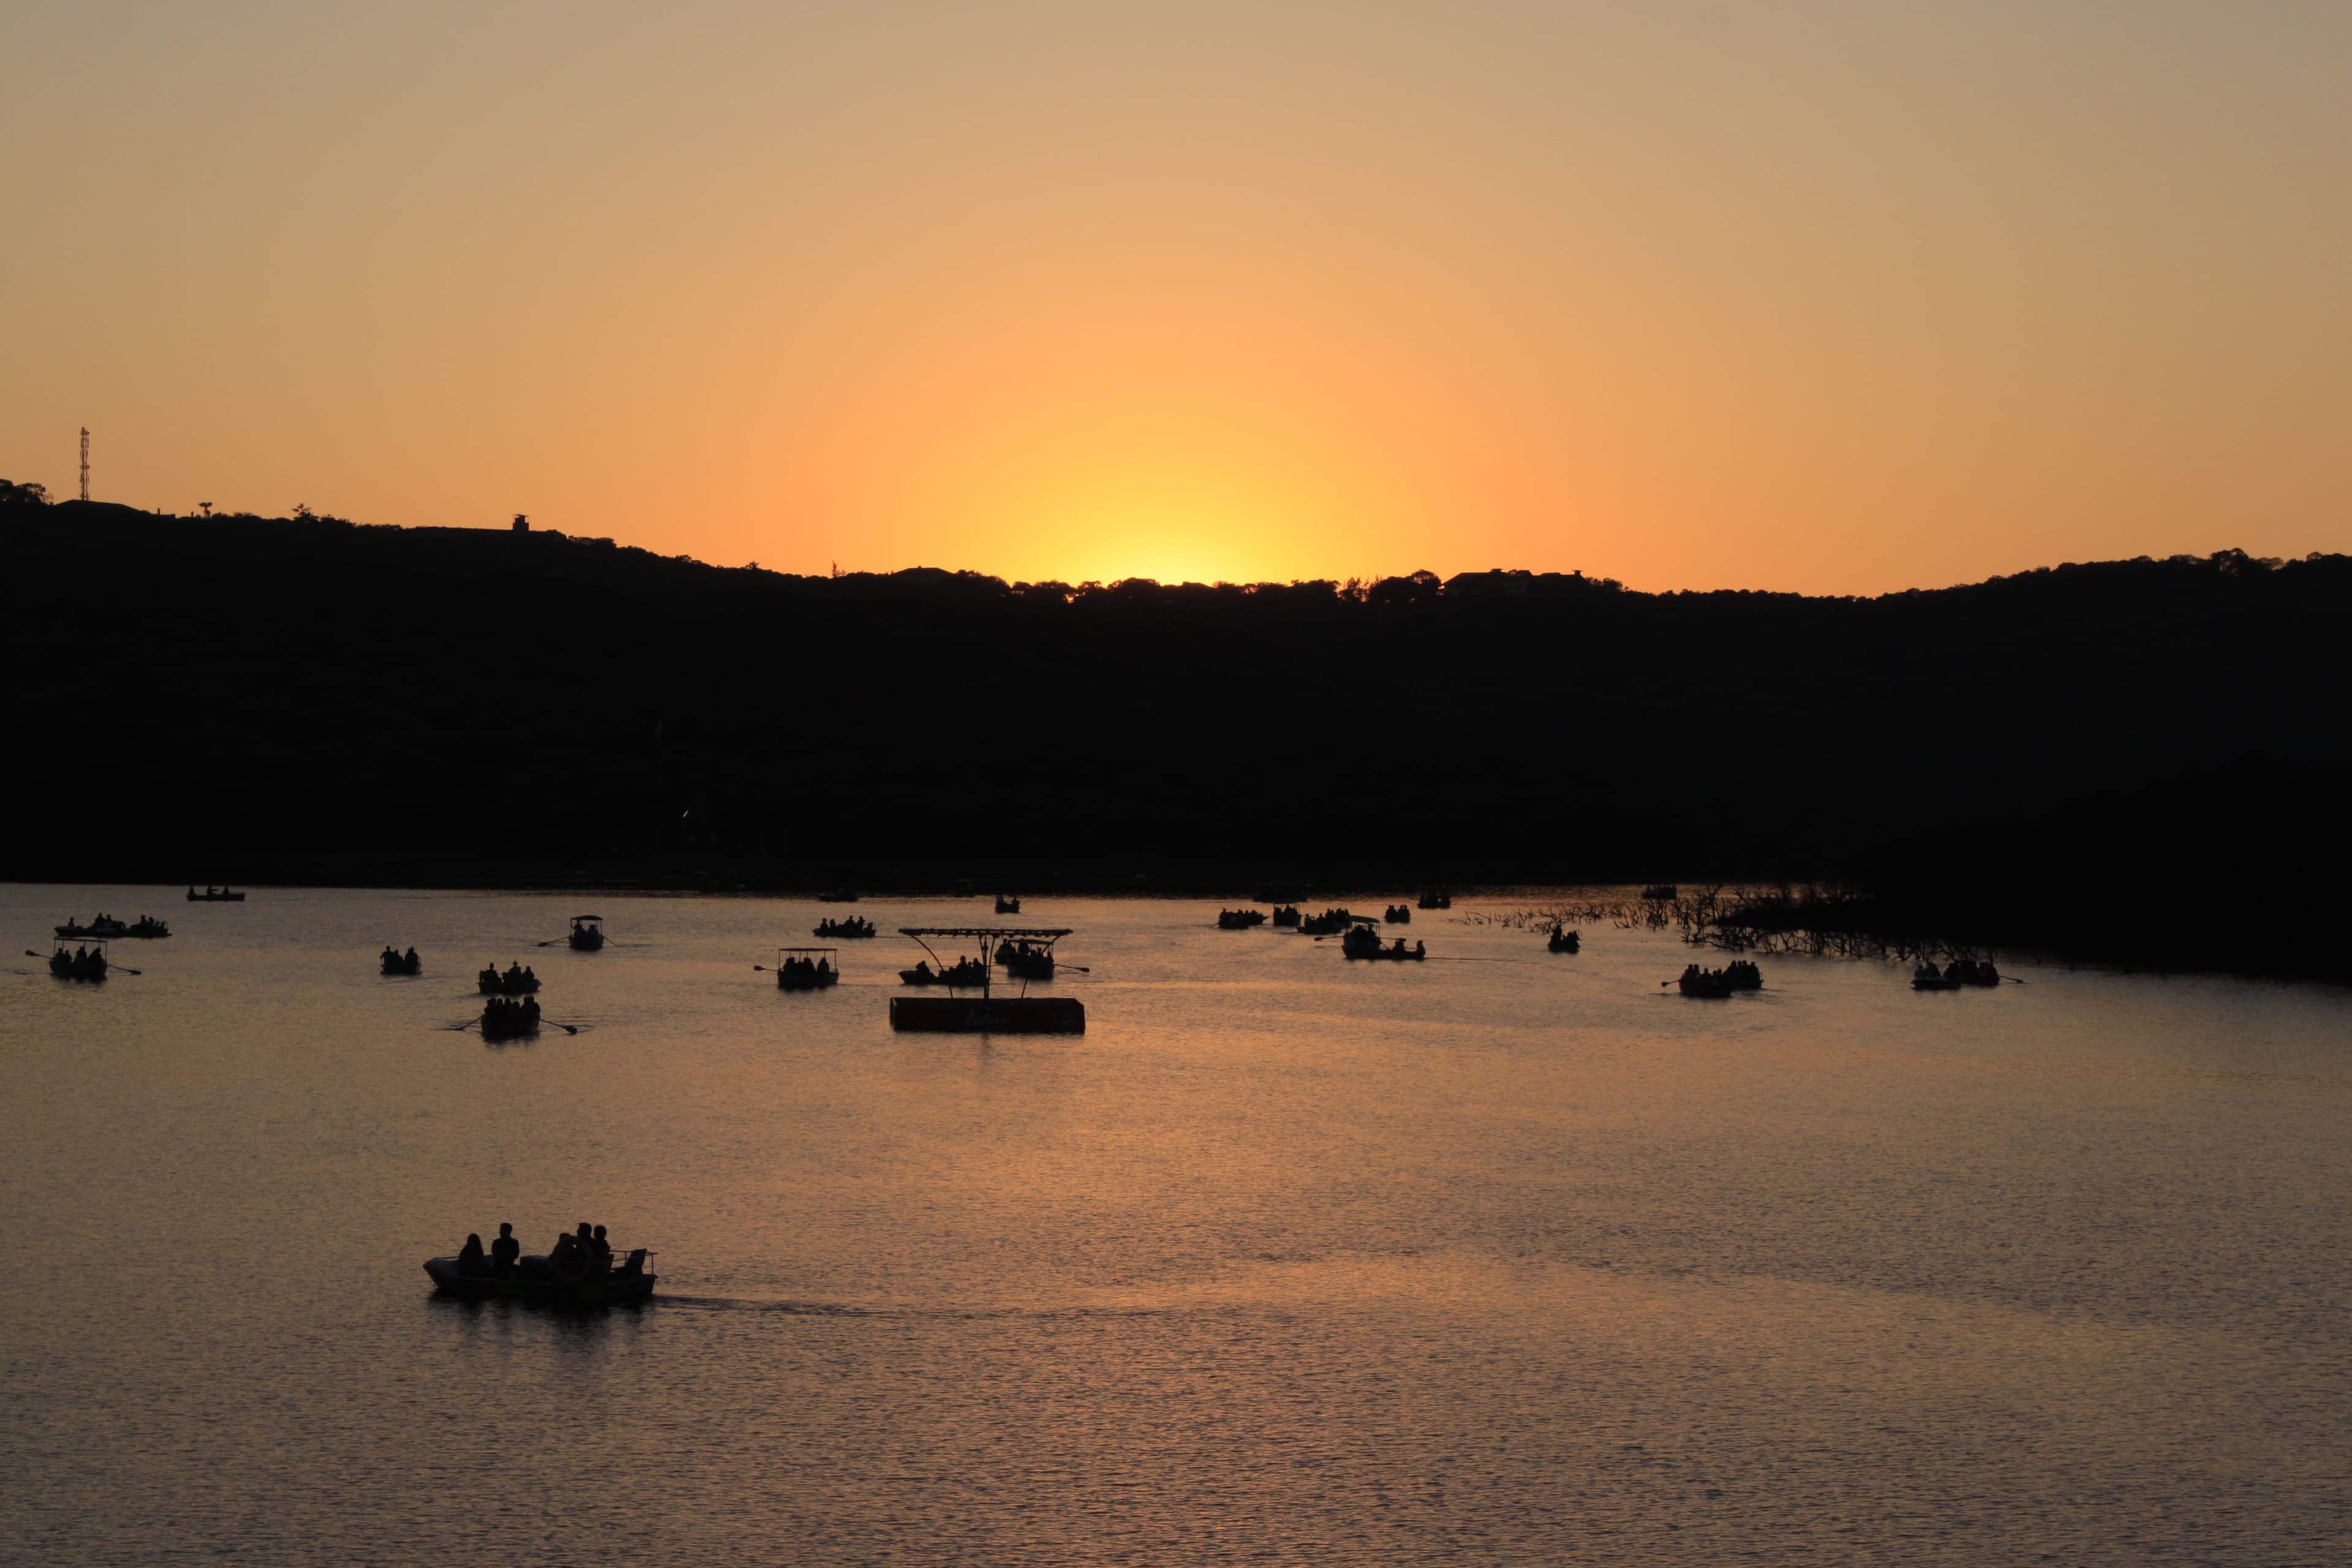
(1832, 297)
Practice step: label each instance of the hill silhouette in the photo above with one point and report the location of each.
(306, 699)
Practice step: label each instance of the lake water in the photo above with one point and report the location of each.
(1287, 1258)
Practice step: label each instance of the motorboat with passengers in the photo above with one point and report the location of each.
(100, 925)
(855, 928)
(577, 1273)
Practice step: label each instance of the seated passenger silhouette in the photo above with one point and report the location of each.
(470, 1257)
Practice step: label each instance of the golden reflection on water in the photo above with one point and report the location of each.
(1510, 1260)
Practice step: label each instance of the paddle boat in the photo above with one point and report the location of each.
(1024, 960)
(1716, 983)
(147, 927)
(1363, 941)
(211, 894)
(1437, 898)
(962, 971)
(1952, 977)
(88, 962)
(506, 1020)
(1397, 914)
(1563, 940)
(807, 968)
(587, 933)
(395, 961)
(1240, 920)
(516, 981)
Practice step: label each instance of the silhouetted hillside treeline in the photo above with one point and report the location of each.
(308, 700)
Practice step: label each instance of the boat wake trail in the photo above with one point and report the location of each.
(755, 1304)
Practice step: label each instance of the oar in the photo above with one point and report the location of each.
(126, 969)
(549, 1021)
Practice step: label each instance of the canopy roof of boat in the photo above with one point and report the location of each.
(1038, 934)
(781, 951)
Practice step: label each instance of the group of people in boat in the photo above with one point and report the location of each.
(1363, 941)
(81, 963)
(1026, 959)
(1397, 914)
(516, 981)
(503, 1016)
(855, 926)
(1285, 915)
(108, 925)
(1564, 941)
(211, 894)
(1739, 975)
(1330, 922)
(962, 971)
(795, 974)
(1240, 920)
(577, 1256)
(1006, 904)
(1437, 898)
(1958, 973)
(398, 962)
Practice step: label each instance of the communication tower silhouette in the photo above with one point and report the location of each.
(85, 462)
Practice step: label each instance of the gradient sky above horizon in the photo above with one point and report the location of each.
(1830, 296)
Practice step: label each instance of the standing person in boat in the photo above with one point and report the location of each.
(506, 1252)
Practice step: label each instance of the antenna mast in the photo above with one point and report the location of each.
(85, 462)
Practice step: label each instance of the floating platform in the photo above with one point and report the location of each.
(989, 1015)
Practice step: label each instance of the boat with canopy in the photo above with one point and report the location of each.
(986, 1012)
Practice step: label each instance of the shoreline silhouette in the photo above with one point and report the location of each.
(2135, 761)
